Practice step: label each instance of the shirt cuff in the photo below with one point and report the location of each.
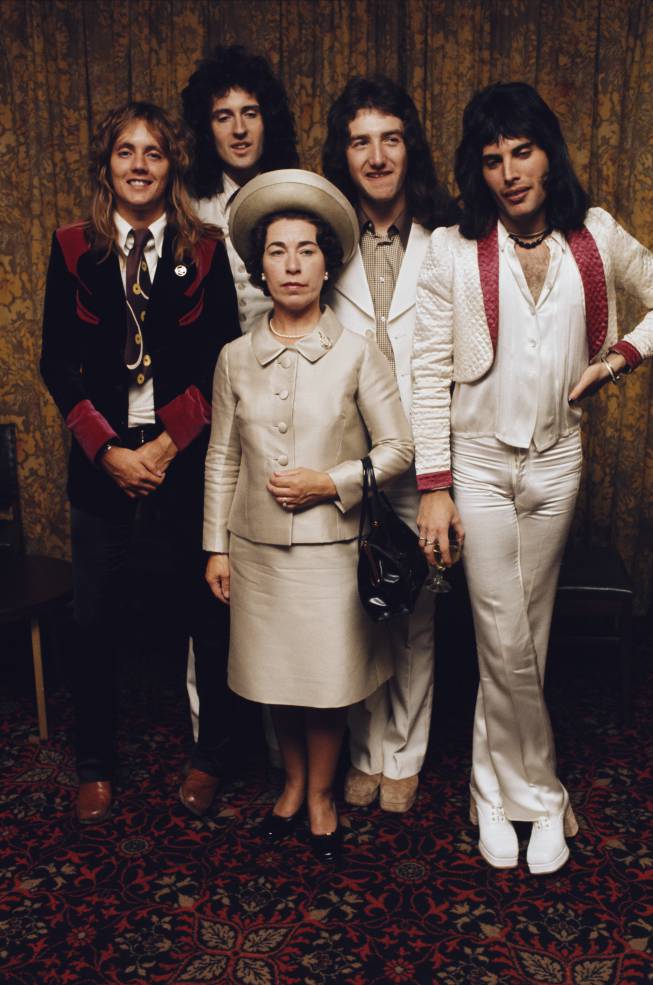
(629, 352)
(185, 417)
(430, 481)
(90, 429)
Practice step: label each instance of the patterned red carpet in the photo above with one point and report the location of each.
(155, 896)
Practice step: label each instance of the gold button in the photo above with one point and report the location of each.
(140, 379)
(137, 338)
(136, 289)
(142, 316)
(147, 360)
(143, 266)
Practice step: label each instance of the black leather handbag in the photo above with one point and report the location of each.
(391, 567)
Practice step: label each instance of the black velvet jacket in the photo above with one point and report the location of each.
(191, 314)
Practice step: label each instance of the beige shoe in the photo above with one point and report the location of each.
(398, 796)
(361, 788)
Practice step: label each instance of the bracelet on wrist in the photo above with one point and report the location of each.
(616, 377)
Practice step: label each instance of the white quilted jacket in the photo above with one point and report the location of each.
(458, 316)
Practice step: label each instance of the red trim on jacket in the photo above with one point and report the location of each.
(185, 416)
(73, 242)
(487, 251)
(90, 429)
(590, 265)
(629, 352)
(430, 481)
(204, 258)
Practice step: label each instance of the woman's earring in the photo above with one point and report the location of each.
(262, 276)
(326, 276)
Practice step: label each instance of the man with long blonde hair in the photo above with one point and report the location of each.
(139, 301)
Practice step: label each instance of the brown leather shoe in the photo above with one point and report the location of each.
(398, 796)
(93, 801)
(197, 791)
(361, 788)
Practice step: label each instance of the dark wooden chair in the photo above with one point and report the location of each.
(595, 604)
(30, 585)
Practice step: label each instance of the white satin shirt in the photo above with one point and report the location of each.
(541, 354)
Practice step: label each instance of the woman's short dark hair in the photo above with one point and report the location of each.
(325, 237)
(508, 110)
(428, 202)
(234, 67)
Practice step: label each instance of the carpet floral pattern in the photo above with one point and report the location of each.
(156, 896)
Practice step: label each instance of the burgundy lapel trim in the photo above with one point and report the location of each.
(590, 265)
(488, 268)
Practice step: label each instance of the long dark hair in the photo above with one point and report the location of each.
(428, 202)
(515, 109)
(228, 68)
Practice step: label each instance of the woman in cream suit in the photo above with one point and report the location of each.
(298, 402)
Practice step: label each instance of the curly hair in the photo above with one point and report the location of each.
(508, 110)
(174, 139)
(325, 237)
(228, 68)
(428, 202)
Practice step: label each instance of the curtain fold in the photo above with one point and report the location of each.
(64, 64)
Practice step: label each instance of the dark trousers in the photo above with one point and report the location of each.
(101, 552)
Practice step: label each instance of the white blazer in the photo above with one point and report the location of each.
(458, 320)
(352, 305)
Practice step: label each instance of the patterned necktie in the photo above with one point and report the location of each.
(137, 294)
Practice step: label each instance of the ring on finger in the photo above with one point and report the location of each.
(284, 503)
(429, 543)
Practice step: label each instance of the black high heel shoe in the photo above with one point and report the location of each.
(274, 827)
(327, 848)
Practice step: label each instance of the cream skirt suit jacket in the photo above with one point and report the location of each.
(299, 635)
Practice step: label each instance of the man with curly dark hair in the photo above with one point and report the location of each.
(238, 112)
(377, 154)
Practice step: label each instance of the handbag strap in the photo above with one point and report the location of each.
(371, 504)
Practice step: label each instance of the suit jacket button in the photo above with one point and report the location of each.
(369, 334)
(282, 426)
(283, 459)
(283, 394)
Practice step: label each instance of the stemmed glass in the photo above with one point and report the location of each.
(436, 582)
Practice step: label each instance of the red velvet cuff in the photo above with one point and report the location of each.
(629, 352)
(431, 481)
(185, 416)
(89, 427)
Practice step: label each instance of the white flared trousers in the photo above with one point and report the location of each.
(516, 507)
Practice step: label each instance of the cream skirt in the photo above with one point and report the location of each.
(299, 635)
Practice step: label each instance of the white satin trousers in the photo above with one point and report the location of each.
(516, 507)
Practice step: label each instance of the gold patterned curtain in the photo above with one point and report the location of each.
(65, 62)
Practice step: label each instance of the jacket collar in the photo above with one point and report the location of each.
(590, 266)
(312, 347)
(352, 282)
(405, 290)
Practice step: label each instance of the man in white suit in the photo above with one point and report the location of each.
(517, 307)
(376, 153)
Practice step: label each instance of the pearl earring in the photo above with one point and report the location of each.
(326, 276)
(262, 276)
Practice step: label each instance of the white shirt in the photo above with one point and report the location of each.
(141, 398)
(541, 353)
(252, 302)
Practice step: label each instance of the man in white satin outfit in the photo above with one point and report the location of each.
(517, 308)
(376, 153)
